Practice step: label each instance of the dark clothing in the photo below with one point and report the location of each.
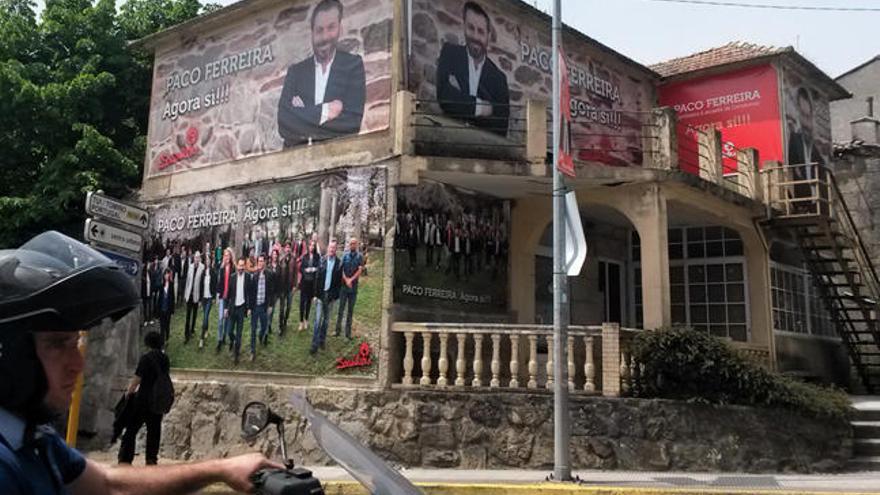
(166, 309)
(149, 368)
(153, 422)
(35, 463)
(457, 102)
(251, 289)
(346, 82)
(332, 293)
(351, 262)
(234, 280)
(799, 153)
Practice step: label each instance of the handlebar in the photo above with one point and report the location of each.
(296, 481)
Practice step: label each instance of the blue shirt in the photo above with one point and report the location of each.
(351, 261)
(328, 278)
(38, 466)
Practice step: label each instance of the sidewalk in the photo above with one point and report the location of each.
(520, 482)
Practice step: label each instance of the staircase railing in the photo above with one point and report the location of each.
(850, 230)
(811, 190)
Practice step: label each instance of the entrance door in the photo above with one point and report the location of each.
(611, 286)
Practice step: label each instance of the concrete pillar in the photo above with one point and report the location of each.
(757, 259)
(324, 213)
(610, 359)
(662, 140)
(711, 158)
(748, 162)
(529, 218)
(536, 136)
(650, 219)
(404, 132)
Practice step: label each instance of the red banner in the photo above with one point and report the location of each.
(743, 105)
(564, 161)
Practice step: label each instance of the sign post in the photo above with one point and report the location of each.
(105, 207)
(561, 420)
(113, 237)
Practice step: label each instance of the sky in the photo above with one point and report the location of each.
(651, 31)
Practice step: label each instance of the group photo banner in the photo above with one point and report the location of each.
(480, 62)
(295, 315)
(452, 248)
(294, 74)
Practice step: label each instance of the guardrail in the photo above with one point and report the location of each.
(518, 357)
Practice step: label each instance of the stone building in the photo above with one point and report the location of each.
(446, 178)
(863, 81)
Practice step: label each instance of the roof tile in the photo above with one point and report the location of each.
(733, 52)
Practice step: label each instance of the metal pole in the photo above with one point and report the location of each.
(561, 434)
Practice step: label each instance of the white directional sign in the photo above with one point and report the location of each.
(112, 237)
(575, 243)
(101, 206)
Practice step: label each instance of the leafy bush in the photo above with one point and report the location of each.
(686, 364)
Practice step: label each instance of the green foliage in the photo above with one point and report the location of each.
(689, 365)
(74, 101)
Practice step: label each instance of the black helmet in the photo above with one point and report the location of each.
(51, 283)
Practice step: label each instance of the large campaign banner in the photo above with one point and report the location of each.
(807, 120)
(283, 231)
(295, 74)
(743, 105)
(452, 248)
(481, 61)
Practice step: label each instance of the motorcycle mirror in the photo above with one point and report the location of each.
(254, 419)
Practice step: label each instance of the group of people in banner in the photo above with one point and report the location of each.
(254, 286)
(462, 246)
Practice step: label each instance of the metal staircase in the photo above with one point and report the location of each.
(805, 200)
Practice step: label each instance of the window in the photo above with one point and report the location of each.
(797, 304)
(706, 280)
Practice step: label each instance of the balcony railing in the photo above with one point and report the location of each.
(515, 357)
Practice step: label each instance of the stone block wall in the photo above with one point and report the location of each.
(513, 430)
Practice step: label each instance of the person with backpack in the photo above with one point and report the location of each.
(153, 396)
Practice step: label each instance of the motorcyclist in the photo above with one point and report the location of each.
(50, 288)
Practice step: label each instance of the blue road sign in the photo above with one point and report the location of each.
(129, 265)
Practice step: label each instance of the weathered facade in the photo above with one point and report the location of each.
(465, 294)
(863, 82)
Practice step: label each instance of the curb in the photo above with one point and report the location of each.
(353, 488)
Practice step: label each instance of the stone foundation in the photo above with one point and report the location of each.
(513, 430)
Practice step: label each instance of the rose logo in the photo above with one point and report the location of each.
(192, 136)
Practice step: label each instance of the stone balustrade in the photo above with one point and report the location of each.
(472, 356)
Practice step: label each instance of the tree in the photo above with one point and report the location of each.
(74, 101)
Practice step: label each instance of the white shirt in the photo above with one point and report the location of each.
(321, 78)
(475, 70)
(239, 289)
(206, 290)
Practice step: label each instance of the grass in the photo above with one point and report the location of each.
(290, 353)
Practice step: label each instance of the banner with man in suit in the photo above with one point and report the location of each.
(299, 72)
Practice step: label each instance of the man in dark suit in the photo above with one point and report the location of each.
(260, 295)
(236, 307)
(327, 283)
(469, 85)
(323, 96)
(804, 154)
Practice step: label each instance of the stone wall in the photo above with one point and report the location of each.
(510, 430)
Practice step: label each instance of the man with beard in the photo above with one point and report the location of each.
(802, 150)
(469, 85)
(323, 96)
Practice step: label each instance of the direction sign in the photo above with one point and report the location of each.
(102, 206)
(112, 237)
(129, 265)
(575, 243)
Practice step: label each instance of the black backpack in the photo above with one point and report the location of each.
(162, 395)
